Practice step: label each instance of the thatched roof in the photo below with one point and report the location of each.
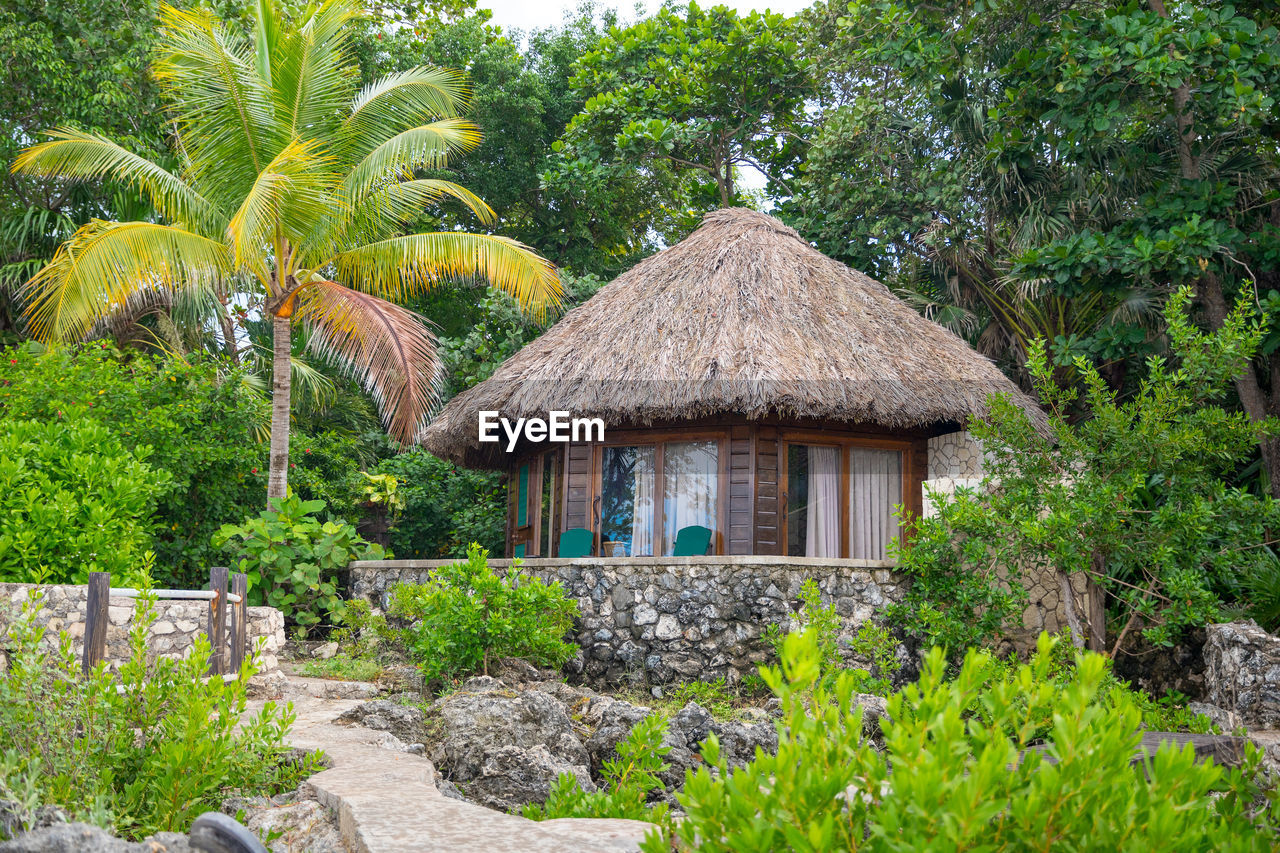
(743, 316)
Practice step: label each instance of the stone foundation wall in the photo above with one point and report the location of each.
(173, 633)
(655, 620)
(955, 456)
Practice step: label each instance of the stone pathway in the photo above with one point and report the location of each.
(387, 801)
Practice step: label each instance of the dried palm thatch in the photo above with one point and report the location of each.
(744, 317)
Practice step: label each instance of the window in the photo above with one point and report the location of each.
(823, 517)
(690, 479)
(875, 489)
(549, 531)
(627, 501)
(650, 492)
(813, 501)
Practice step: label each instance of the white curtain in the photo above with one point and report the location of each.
(690, 473)
(642, 512)
(822, 535)
(875, 485)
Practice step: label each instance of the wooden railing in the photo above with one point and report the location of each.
(224, 634)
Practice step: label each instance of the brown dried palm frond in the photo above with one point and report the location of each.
(389, 349)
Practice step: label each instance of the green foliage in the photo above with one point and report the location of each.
(141, 751)
(382, 492)
(522, 100)
(324, 467)
(467, 614)
(691, 95)
(446, 507)
(1133, 496)
(342, 667)
(870, 643)
(72, 501)
(951, 780)
(629, 780)
(200, 425)
(1023, 166)
(293, 559)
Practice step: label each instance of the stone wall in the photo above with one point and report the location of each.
(957, 460)
(173, 633)
(659, 619)
(955, 456)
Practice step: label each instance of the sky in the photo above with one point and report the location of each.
(528, 14)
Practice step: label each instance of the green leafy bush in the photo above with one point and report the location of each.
(467, 614)
(72, 501)
(1133, 496)
(292, 559)
(949, 780)
(200, 422)
(446, 508)
(871, 642)
(629, 779)
(143, 751)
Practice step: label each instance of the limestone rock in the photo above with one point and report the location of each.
(1242, 672)
(403, 721)
(325, 651)
(512, 776)
(304, 826)
(84, 838)
(485, 716)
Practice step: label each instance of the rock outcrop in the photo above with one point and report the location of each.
(1242, 672)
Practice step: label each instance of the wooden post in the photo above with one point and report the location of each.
(96, 619)
(239, 621)
(218, 620)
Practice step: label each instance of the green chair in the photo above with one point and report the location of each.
(691, 541)
(576, 542)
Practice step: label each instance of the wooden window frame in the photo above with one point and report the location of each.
(817, 438)
(658, 439)
(533, 530)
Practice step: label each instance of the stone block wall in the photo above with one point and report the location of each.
(655, 620)
(955, 456)
(173, 633)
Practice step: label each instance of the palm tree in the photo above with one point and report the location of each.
(298, 189)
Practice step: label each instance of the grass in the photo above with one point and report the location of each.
(723, 700)
(341, 667)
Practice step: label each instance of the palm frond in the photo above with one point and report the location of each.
(287, 196)
(104, 263)
(387, 348)
(224, 108)
(404, 266)
(407, 98)
(311, 75)
(383, 213)
(77, 155)
(427, 147)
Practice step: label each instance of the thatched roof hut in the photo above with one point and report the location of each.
(741, 325)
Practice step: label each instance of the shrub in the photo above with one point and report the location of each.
(142, 753)
(950, 780)
(200, 423)
(292, 559)
(72, 501)
(446, 508)
(870, 642)
(467, 614)
(629, 779)
(1132, 496)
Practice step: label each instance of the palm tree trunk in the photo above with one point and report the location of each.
(281, 373)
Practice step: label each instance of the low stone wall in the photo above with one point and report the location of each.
(173, 633)
(654, 620)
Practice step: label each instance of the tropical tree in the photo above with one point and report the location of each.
(296, 186)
